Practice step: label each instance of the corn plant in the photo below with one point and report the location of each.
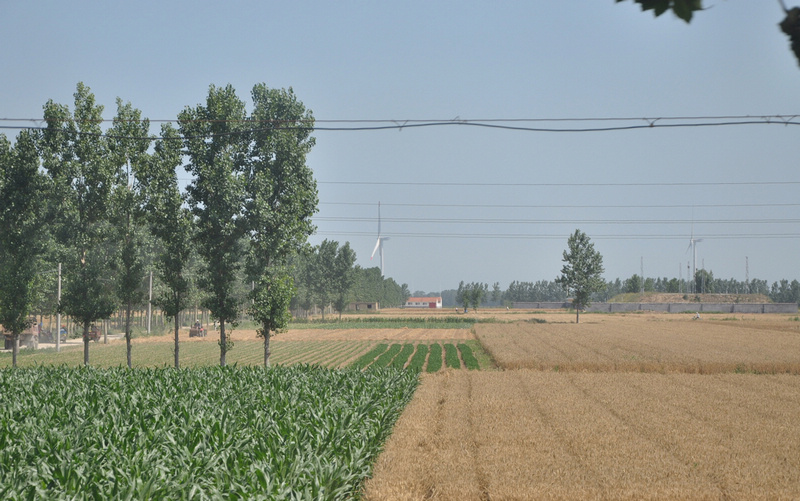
(211, 433)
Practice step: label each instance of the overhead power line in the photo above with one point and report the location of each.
(526, 236)
(550, 185)
(555, 221)
(512, 124)
(550, 206)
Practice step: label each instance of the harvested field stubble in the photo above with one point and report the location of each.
(623, 344)
(541, 435)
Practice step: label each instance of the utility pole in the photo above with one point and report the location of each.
(641, 270)
(747, 274)
(150, 304)
(58, 315)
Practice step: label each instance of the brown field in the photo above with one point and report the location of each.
(648, 343)
(527, 434)
(625, 406)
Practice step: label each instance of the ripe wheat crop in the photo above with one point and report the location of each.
(528, 434)
(625, 344)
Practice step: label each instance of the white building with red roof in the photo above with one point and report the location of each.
(424, 302)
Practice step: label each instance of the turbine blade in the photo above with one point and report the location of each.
(377, 244)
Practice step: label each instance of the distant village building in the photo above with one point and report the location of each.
(424, 302)
(364, 306)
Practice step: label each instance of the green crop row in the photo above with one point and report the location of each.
(369, 357)
(435, 358)
(418, 360)
(427, 357)
(451, 359)
(400, 360)
(388, 356)
(211, 433)
(466, 355)
(380, 322)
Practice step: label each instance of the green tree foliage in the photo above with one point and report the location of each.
(684, 9)
(704, 282)
(128, 144)
(471, 295)
(344, 277)
(582, 270)
(370, 285)
(634, 284)
(271, 298)
(541, 290)
(76, 158)
(21, 190)
(280, 198)
(171, 223)
(218, 158)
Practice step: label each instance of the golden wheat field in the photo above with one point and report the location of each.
(632, 406)
(527, 434)
(648, 343)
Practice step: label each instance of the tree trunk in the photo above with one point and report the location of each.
(14, 348)
(577, 315)
(177, 345)
(266, 347)
(86, 344)
(223, 344)
(128, 332)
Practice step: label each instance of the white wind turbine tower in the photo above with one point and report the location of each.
(379, 244)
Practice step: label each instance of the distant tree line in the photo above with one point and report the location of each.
(327, 278)
(783, 291)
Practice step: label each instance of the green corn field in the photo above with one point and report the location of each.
(296, 432)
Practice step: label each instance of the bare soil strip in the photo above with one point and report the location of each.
(540, 435)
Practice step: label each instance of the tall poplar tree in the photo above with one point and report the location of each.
(128, 144)
(281, 197)
(21, 239)
(75, 155)
(215, 142)
(172, 223)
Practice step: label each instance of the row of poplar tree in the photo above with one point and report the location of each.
(96, 199)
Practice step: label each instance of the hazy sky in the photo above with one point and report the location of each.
(461, 202)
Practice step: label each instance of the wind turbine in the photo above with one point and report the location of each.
(379, 244)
